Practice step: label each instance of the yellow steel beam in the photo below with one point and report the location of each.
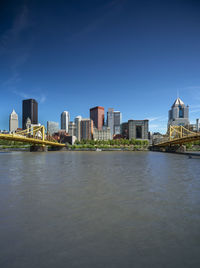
(183, 140)
(15, 137)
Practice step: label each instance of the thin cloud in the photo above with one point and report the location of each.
(154, 118)
(158, 124)
(194, 108)
(158, 128)
(40, 98)
(14, 47)
(21, 94)
(9, 39)
(109, 9)
(158, 118)
(192, 87)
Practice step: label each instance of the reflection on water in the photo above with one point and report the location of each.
(99, 209)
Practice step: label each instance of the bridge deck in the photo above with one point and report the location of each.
(15, 137)
(183, 140)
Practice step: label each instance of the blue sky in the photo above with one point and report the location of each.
(133, 56)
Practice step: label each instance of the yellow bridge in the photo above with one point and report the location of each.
(178, 135)
(34, 135)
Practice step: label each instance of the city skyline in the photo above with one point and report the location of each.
(135, 57)
(20, 121)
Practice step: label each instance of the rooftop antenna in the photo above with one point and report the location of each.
(177, 93)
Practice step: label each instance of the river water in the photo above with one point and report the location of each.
(99, 209)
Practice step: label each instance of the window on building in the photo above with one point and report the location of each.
(180, 112)
(138, 132)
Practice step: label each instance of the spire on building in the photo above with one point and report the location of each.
(178, 102)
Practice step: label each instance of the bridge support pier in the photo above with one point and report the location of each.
(176, 149)
(38, 148)
(57, 148)
(169, 149)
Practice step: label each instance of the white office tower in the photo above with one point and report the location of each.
(13, 122)
(65, 121)
(78, 127)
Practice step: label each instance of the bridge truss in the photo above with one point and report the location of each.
(34, 135)
(178, 135)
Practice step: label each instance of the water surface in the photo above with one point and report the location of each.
(99, 209)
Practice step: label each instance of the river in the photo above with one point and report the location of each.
(99, 210)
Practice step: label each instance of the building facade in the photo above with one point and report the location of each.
(179, 114)
(117, 122)
(86, 129)
(65, 119)
(28, 123)
(52, 127)
(78, 127)
(114, 121)
(97, 115)
(29, 109)
(138, 129)
(124, 130)
(110, 121)
(13, 121)
(195, 127)
(72, 129)
(103, 134)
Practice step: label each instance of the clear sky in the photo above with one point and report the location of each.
(133, 56)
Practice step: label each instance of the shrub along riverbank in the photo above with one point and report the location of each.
(4, 144)
(122, 144)
(193, 146)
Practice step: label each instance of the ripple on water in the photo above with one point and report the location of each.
(107, 209)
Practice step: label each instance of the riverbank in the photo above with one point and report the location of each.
(83, 148)
(76, 149)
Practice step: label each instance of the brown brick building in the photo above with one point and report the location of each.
(97, 115)
(86, 129)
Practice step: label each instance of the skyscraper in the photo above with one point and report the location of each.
(138, 129)
(97, 115)
(13, 122)
(78, 127)
(117, 122)
(178, 114)
(72, 129)
(86, 129)
(65, 118)
(110, 121)
(52, 127)
(29, 109)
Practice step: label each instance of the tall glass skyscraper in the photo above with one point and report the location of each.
(110, 121)
(114, 120)
(78, 127)
(117, 122)
(65, 119)
(52, 127)
(29, 110)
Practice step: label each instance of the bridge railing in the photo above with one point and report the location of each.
(36, 132)
(176, 133)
